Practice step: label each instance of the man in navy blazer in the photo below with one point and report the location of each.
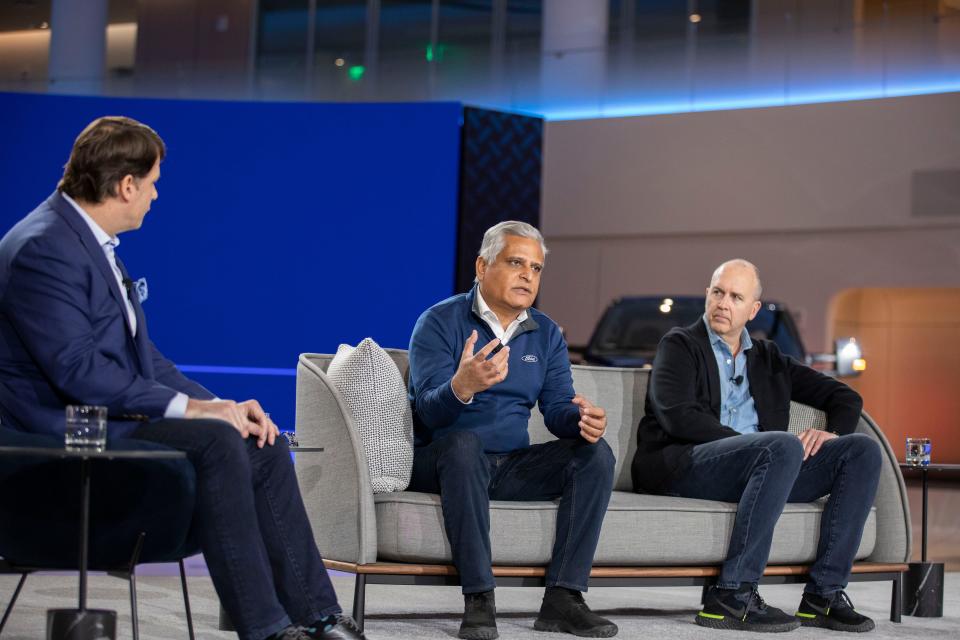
(72, 331)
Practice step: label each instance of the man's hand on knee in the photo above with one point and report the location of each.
(226, 410)
(263, 427)
(476, 373)
(593, 420)
(813, 439)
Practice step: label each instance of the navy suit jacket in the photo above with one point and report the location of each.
(64, 335)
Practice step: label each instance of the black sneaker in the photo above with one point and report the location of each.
(290, 633)
(479, 617)
(744, 610)
(835, 612)
(564, 610)
(335, 627)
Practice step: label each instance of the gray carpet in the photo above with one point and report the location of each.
(434, 612)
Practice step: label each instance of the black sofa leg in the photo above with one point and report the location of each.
(706, 587)
(186, 599)
(13, 601)
(896, 599)
(359, 598)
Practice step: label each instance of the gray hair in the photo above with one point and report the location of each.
(740, 262)
(496, 238)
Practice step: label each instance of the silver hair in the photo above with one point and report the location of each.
(740, 262)
(496, 238)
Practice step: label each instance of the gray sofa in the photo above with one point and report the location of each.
(398, 538)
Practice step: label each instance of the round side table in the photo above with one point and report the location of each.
(923, 581)
(83, 623)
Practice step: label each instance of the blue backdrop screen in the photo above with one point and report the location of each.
(281, 228)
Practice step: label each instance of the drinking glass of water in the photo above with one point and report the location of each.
(86, 427)
(918, 452)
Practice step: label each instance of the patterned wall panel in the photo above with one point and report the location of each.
(500, 169)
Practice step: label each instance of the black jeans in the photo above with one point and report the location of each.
(762, 472)
(252, 527)
(577, 472)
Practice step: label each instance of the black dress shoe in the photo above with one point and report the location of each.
(835, 612)
(743, 610)
(479, 617)
(564, 610)
(341, 627)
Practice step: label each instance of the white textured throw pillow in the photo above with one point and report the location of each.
(374, 391)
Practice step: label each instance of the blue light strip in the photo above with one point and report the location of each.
(812, 96)
(243, 371)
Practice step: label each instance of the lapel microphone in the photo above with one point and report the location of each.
(737, 380)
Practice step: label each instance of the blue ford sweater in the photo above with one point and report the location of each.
(539, 372)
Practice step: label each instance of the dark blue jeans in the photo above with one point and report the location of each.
(572, 469)
(252, 527)
(761, 472)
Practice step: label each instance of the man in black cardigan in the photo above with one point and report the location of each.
(717, 411)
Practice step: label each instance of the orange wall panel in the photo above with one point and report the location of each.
(911, 340)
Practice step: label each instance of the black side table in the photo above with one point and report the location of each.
(224, 623)
(923, 582)
(82, 623)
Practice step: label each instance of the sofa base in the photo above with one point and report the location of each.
(510, 576)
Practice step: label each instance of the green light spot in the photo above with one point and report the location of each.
(356, 72)
(435, 53)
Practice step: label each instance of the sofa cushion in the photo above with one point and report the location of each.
(621, 392)
(638, 530)
(374, 391)
(803, 417)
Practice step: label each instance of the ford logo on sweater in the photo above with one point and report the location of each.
(529, 358)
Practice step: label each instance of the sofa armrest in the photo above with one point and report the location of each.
(335, 484)
(894, 530)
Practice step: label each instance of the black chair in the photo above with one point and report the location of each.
(140, 511)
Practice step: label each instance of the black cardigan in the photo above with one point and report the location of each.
(683, 401)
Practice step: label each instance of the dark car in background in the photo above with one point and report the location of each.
(630, 330)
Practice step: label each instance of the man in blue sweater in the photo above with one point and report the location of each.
(471, 408)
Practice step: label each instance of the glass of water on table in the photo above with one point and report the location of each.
(86, 427)
(918, 452)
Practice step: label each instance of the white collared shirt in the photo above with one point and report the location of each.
(494, 322)
(177, 407)
(109, 246)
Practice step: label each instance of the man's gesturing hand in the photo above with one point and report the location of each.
(813, 439)
(593, 420)
(476, 373)
(246, 417)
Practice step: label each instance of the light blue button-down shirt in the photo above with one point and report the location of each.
(737, 410)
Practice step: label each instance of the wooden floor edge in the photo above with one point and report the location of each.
(387, 568)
